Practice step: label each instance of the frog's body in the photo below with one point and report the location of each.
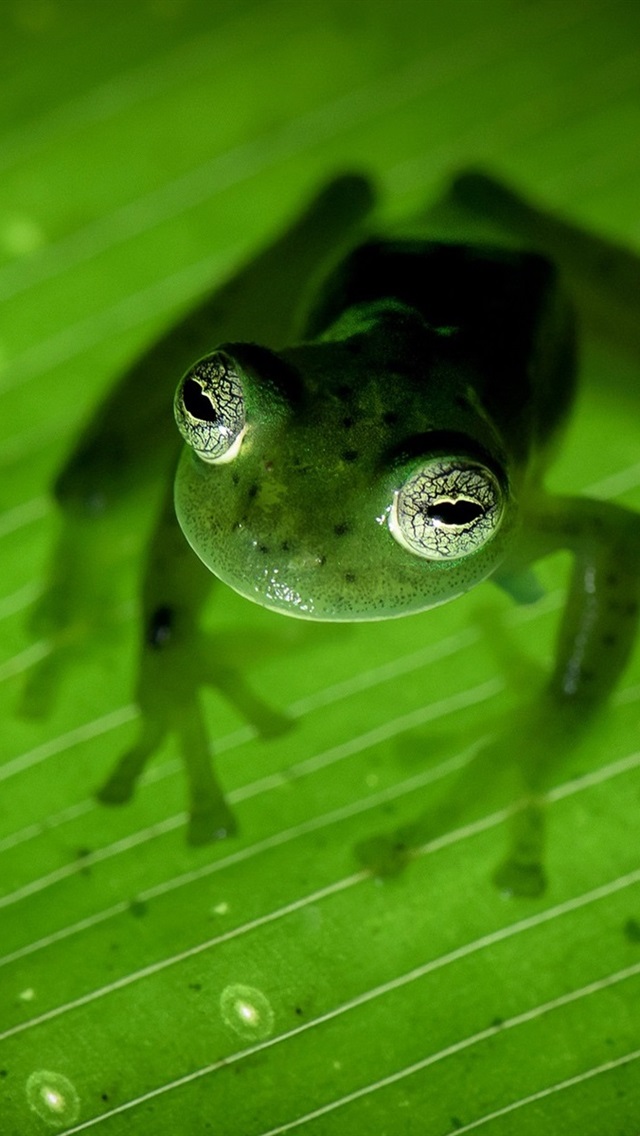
(386, 463)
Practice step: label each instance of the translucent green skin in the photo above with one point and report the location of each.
(411, 349)
(431, 349)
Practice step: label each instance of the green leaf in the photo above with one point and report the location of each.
(269, 984)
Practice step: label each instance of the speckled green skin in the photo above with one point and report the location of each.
(441, 349)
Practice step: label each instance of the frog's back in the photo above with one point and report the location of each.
(509, 314)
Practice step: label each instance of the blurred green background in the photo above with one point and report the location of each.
(264, 986)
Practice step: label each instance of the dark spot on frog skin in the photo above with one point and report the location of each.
(341, 529)
(350, 455)
(160, 627)
(609, 640)
(350, 577)
(632, 930)
(390, 418)
(348, 422)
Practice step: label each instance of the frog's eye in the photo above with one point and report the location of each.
(447, 509)
(209, 408)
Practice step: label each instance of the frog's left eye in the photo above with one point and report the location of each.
(209, 408)
(447, 509)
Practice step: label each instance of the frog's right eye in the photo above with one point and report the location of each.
(209, 408)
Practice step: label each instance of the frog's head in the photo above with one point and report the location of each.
(344, 479)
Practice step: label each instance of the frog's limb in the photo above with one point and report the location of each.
(595, 639)
(177, 659)
(599, 623)
(524, 587)
(603, 277)
(132, 442)
(132, 437)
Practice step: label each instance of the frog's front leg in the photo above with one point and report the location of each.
(178, 659)
(599, 623)
(595, 639)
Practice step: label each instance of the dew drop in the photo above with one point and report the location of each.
(53, 1097)
(247, 1011)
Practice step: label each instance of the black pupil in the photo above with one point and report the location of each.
(454, 512)
(197, 403)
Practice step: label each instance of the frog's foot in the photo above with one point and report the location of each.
(521, 880)
(42, 682)
(168, 697)
(210, 818)
(386, 854)
(521, 873)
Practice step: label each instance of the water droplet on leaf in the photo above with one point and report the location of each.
(247, 1011)
(53, 1097)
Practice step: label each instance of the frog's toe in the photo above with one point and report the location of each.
(210, 823)
(41, 685)
(120, 784)
(273, 724)
(522, 880)
(383, 855)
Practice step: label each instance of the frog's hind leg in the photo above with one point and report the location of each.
(603, 277)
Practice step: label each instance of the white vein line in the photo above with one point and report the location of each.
(392, 792)
(20, 599)
(615, 484)
(138, 84)
(74, 737)
(136, 309)
(311, 765)
(355, 1003)
(455, 837)
(617, 77)
(328, 695)
(295, 136)
(550, 1090)
(22, 662)
(157, 967)
(460, 1046)
(405, 664)
(24, 514)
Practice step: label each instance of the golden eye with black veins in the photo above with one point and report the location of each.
(449, 508)
(209, 408)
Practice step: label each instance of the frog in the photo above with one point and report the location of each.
(361, 430)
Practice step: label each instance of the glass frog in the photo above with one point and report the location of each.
(367, 424)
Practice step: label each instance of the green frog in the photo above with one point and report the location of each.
(366, 425)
